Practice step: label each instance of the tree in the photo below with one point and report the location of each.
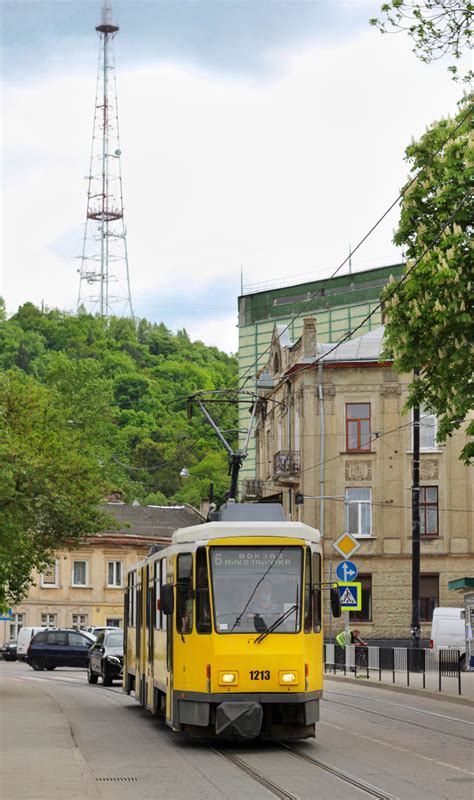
(437, 27)
(52, 481)
(430, 325)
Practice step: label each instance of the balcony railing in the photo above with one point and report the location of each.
(252, 489)
(287, 464)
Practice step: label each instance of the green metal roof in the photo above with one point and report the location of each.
(461, 583)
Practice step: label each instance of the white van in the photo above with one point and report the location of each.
(24, 638)
(448, 631)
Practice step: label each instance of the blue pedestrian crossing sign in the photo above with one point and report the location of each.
(350, 595)
(8, 617)
(346, 571)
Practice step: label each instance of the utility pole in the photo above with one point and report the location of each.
(415, 528)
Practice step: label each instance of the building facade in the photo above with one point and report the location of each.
(336, 432)
(340, 304)
(86, 585)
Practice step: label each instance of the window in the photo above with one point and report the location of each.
(365, 614)
(429, 510)
(203, 606)
(184, 599)
(359, 512)
(49, 620)
(49, 578)
(79, 621)
(316, 592)
(114, 573)
(357, 427)
(307, 593)
(79, 573)
(57, 638)
(131, 599)
(76, 640)
(113, 622)
(157, 581)
(428, 430)
(15, 626)
(429, 596)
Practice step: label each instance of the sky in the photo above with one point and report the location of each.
(260, 140)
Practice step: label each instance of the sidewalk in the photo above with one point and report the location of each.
(39, 756)
(449, 685)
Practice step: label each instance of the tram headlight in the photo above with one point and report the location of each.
(288, 678)
(228, 678)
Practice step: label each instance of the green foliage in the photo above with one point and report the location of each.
(52, 480)
(430, 325)
(437, 28)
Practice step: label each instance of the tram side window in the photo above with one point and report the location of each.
(203, 606)
(307, 592)
(157, 583)
(184, 594)
(131, 599)
(316, 592)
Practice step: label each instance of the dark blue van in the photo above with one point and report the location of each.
(59, 647)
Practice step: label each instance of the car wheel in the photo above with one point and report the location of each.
(106, 679)
(38, 663)
(91, 676)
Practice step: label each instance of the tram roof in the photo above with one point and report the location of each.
(227, 530)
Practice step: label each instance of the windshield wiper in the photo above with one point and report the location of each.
(276, 624)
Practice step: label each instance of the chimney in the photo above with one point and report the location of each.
(309, 338)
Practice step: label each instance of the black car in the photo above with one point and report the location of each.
(8, 651)
(106, 657)
(60, 647)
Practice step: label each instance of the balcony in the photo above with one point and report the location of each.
(252, 489)
(287, 466)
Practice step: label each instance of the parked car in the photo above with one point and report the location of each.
(8, 651)
(24, 638)
(448, 632)
(94, 630)
(59, 647)
(106, 657)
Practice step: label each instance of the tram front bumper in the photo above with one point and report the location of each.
(239, 721)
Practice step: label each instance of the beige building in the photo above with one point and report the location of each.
(337, 431)
(86, 585)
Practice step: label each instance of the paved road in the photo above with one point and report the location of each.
(62, 739)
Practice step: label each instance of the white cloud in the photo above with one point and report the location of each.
(278, 177)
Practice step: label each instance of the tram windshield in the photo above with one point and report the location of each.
(253, 587)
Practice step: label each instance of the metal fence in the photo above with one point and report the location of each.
(373, 661)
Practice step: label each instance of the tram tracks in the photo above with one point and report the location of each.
(281, 792)
(414, 724)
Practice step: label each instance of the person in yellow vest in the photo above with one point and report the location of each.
(352, 638)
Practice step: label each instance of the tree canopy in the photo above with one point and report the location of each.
(89, 407)
(430, 325)
(437, 27)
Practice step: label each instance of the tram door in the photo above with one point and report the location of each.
(149, 649)
(168, 575)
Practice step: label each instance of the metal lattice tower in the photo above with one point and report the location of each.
(104, 286)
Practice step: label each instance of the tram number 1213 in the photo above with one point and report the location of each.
(259, 674)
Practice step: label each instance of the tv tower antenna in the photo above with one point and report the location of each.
(104, 286)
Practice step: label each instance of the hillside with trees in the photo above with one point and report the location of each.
(120, 381)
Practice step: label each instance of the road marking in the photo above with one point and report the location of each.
(401, 749)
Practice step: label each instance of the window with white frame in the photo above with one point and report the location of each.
(428, 430)
(50, 577)
(49, 620)
(114, 573)
(79, 573)
(79, 621)
(359, 511)
(15, 626)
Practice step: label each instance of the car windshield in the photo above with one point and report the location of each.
(253, 587)
(115, 640)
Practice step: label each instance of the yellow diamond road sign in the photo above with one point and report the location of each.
(346, 545)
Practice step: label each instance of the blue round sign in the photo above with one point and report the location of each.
(346, 571)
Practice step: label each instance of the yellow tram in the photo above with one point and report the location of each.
(223, 627)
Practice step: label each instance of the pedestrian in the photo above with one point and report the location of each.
(353, 638)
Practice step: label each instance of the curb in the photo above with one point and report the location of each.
(449, 698)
